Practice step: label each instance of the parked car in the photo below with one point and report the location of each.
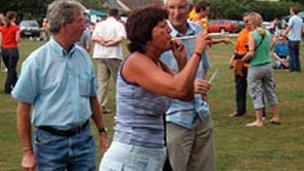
(223, 25)
(29, 28)
(240, 23)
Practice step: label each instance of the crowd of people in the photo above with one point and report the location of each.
(162, 120)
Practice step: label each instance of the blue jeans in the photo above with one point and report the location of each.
(294, 55)
(59, 153)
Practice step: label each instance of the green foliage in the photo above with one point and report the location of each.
(94, 4)
(233, 9)
(36, 9)
(26, 9)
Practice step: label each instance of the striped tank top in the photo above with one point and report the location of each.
(139, 115)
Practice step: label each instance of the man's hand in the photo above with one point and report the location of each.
(24, 129)
(28, 161)
(201, 86)
(98, 120)
(103, 141)
(102, 42)
(228, 41)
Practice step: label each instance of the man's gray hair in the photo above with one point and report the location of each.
(62, 11)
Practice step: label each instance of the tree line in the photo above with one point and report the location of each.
(36, 9)
(233, 9)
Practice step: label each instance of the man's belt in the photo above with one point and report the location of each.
(65, 133)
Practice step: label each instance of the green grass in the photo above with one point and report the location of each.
(237, 147)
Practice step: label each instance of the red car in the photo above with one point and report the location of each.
(223, 26)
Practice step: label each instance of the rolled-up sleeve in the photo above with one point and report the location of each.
(122, 31)
(93, 81)
(27, 86)
(94, 86)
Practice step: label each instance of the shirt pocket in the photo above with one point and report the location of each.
(84, 84)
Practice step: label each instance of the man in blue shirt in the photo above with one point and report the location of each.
(280, 54)
(294, 31)
(189, 128)
(58, 80)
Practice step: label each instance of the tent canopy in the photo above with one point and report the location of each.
(96, 13)
(125, 6)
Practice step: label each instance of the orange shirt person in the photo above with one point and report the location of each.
(240, 68)
(241, 45)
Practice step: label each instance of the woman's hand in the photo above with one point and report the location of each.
(179, 52)
(202, 40)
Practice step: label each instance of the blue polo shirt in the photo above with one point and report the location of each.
(281, 49)
(181, 112)
(58, 84)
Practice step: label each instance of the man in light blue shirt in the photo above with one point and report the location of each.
(189, 128)
(178, 107)
(58, 80)
(294, 30)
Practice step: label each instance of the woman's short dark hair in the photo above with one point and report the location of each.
(140, 24)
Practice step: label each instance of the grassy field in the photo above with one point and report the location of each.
(237, 147)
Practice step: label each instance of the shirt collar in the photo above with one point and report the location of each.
(249, 29)
(60, 49)
(111, 18)
(174, 33)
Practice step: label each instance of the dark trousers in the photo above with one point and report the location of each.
(241, 89)
(294, 55)
(10, 58)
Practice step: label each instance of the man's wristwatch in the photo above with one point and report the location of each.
(103, 130)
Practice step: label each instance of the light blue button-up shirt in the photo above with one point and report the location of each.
(58, 84)
(181, 112)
